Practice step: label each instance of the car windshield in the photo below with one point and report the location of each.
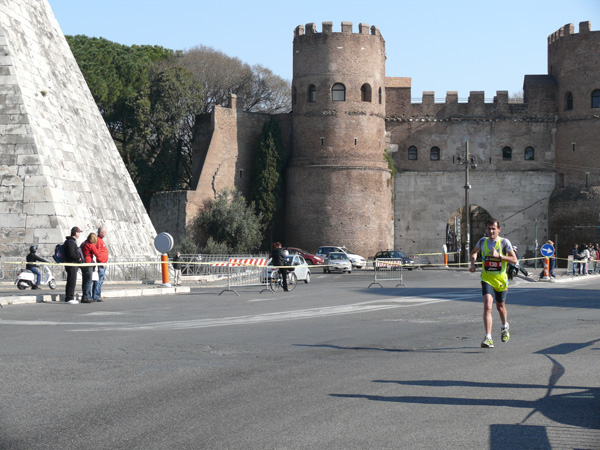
(398, 255)
(337, 256)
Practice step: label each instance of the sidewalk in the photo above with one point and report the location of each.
(11, 295)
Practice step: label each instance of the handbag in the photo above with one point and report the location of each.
(95, 276)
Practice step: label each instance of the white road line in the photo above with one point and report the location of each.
(311, 313)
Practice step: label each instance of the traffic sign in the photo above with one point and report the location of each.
(547, 250)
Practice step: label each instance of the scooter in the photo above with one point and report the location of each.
(26, 279)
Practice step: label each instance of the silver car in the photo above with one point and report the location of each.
(357, 261)
(337, 261)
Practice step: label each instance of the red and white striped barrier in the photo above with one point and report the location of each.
(238, 262)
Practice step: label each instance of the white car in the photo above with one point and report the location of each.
(301, 268)
(337, 261)
(357, 261)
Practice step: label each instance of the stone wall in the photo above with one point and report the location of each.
(425, 202)
(224, 150)
(59, 165)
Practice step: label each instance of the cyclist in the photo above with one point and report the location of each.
(278, 260)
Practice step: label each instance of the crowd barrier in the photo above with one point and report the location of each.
(245, 272)
(387, 269)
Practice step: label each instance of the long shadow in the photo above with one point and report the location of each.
(578, 408)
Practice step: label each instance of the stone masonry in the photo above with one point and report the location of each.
(535, 161)
(59, 166)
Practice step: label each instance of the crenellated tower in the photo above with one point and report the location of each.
(574, 62)
(339, 187)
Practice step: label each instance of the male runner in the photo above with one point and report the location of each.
(496, 252)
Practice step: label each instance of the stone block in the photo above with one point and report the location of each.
(13, 220)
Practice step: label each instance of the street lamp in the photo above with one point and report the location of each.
(469, 162)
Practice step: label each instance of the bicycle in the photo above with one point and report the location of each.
(276, 280)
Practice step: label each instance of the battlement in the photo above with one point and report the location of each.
(327, 28)
(568, 30)
(475, 98)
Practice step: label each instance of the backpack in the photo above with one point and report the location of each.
(59, 253)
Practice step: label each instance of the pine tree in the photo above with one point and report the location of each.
(267, 179)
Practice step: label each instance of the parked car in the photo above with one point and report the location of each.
(402, 259)
(301, 268)
(309, 257)
(337, 261)
(357, 261)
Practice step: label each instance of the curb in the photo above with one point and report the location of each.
(137, 292)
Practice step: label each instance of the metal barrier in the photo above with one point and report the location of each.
(140, 268)
(388, 269)
(245, 272)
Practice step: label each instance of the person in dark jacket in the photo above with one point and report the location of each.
(33, 258)
(278, 259)
(72, 255)
(177, 268)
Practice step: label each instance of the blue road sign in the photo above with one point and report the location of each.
(547, 250)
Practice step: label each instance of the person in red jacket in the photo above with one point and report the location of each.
(101, 258)
(88, 248)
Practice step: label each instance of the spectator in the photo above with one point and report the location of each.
(575, 254)
(72, 256)
(103, 259)
(32, 258)
(88, 248)
(585, 256)
(177, 268)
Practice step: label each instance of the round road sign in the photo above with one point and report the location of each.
(163, 242)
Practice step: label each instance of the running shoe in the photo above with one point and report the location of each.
(487, 343)
(505, 334)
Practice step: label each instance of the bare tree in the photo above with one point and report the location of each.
(516, 97)
(257, 87)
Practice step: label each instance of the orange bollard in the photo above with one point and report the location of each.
(165, 268)
(446, 259)
(546, 267)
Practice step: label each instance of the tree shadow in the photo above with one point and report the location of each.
(577, 409)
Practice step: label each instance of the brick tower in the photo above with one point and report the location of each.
(574, 62)
(339, 188)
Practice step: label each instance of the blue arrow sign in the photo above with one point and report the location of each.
(547, 250)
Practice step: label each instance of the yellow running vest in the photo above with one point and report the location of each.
(494, 270)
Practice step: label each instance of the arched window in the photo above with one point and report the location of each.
(529, 154)
(413, 153)
(312, 93)
(338, 92)
(596, 99)
(365, 92)
(380, 96)
(569, 101)
(506, 154)
(435, 154)
(293, 95)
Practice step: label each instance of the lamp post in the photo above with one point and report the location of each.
(469, 162)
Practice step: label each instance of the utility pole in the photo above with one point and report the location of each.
(469, 163)
(467, 206)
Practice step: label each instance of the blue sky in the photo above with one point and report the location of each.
(451, 45)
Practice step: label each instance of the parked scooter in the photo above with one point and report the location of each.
(26, 279)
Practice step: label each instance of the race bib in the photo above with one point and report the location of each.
(492, 266)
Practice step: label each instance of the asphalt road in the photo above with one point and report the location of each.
(332, 365)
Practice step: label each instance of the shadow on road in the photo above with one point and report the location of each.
(577, 409)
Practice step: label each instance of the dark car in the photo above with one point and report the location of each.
(309, 257)
(401, 258)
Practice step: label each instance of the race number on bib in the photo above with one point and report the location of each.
(492, 266)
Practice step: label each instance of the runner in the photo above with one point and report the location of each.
(496, 252)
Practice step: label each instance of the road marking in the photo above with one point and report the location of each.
(311, 313)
